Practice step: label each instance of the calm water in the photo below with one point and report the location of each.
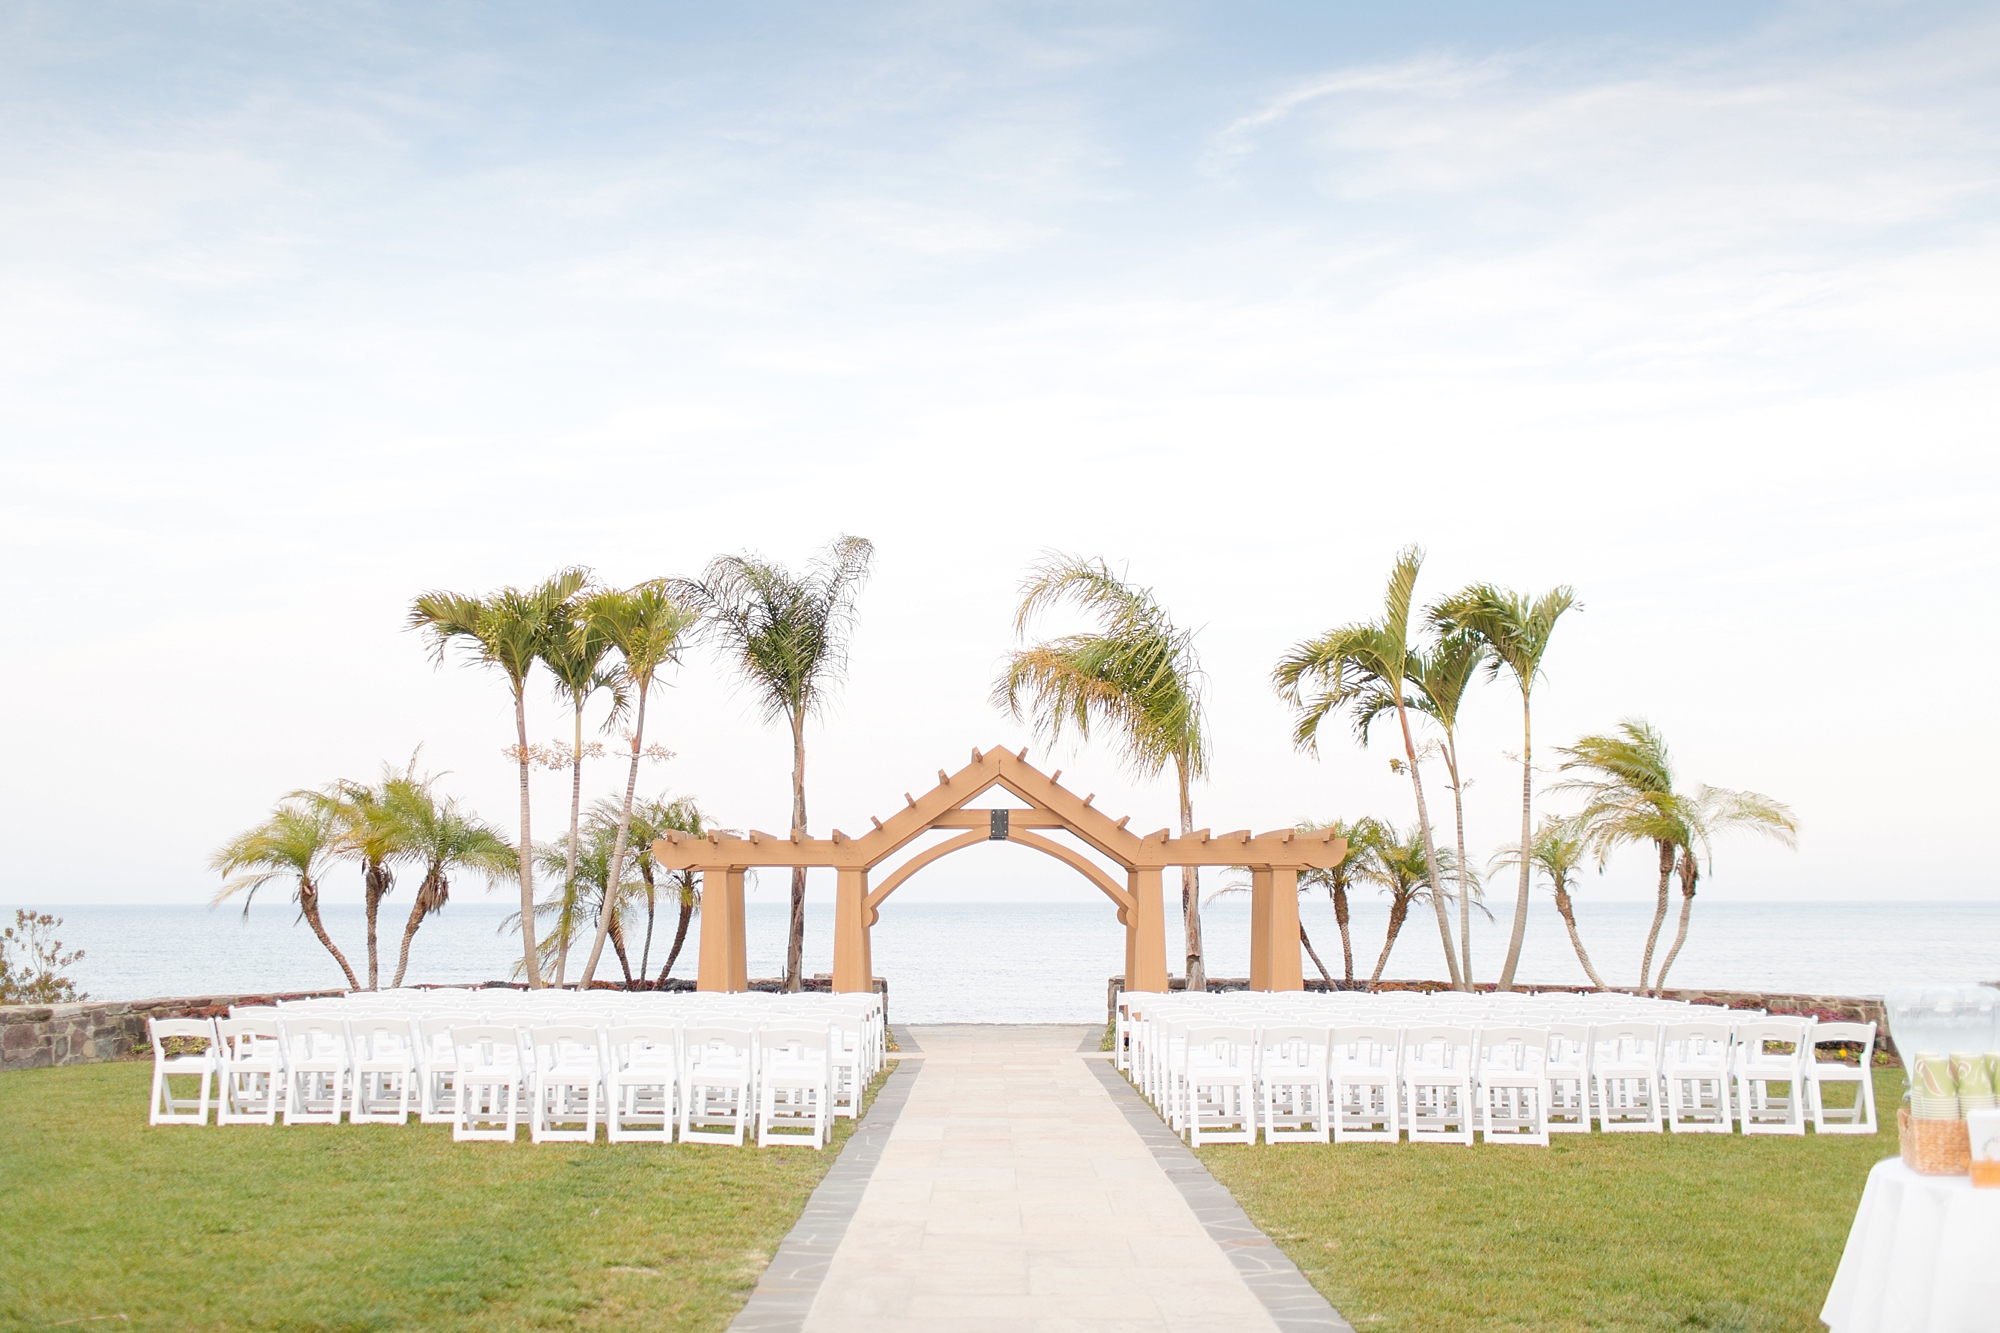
(1047, 962)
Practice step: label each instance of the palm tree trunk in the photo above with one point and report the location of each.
(615, 871)
(1689, 874)
(1197, 969)
(1569, 919)
(680, 932)
(646, 950)
(575, 821)
(376, 883)
(618, 943)
(1397, 913)
(1519, 933)
(1430, 848)
(795, 940)
(530, 962)
(1659, 915)
(1306, 940)
(1346, 939)
(418, 911)
(309, 909)
(1464, 882)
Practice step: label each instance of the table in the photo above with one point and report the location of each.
(1923, 1257)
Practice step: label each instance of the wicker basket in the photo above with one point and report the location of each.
(1934, 1147)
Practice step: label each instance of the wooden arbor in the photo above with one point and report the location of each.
(1274, 859)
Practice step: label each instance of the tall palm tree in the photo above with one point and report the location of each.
(574, 651)
(646, 624)
(366, 835)
(444, 840)
(1360, 665)
(1716, 810)
(788, 636)
(1362, 836)
(506, 630)
(1630, 798)
(1517, 629)
(297, 841)
(1136, 674)
(1557, 851)
(1401, 866)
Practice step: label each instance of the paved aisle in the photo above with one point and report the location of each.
(1013, 1194)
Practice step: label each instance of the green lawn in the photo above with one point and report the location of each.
(107, 1223)
(1599, 1231)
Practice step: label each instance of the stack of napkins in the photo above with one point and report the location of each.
(1974, 1076)
(1934, 1090)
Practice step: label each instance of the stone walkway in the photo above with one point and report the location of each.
(1019, 1189)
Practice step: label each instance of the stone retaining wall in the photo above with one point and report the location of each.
(1830, 1008)
(35, 1036)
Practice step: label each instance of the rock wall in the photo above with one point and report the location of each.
(35, 1036)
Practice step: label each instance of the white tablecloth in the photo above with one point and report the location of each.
(1923, 1257)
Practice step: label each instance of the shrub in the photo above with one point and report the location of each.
(33, 967)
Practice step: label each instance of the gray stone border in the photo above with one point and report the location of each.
(785, 1293)
(1295, 1305)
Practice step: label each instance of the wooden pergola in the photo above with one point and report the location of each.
(1274, 860)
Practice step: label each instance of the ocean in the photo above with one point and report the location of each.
(1046, 962)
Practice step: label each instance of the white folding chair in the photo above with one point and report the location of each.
(568, 1082)
(1860, 1117)
(1437, 1084)
(437, 1065)
(794, 1084)
(717, 1076)
(490, 1081)
(165, 1108)
(1770, 1084)
(1221, 1084)
(1694, 1062)
(250, 1062)
(1291, 1082)
(642, 1083)
(1511, 1084)
(1364, 1067)
(1568, 1069)
(847, 1058)
(384, 1072)
(316, 1068)
(1625, 1070)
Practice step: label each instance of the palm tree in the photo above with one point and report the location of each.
(297, 841)
(1137, 674)
(585, 899)
(1558, 849)
(646, 624)
(1717, 810)
(366, 835)
(443, 840)
(574, 653)
(1401, 867)
(1517, 630)
(1362, 835)
(651, 820)
(507, 630)
(1440, 675)
(788, 635)
(1362, 665)
(1630, 800)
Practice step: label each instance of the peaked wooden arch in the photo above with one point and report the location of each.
(1274, 858)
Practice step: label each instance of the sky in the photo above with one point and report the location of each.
(305, 309)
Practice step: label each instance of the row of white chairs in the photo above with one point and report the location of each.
(1373, 1073)
(705, 1072)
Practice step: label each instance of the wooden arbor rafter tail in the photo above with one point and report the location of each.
(1274, 860)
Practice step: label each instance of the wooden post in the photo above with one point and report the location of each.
(1287, 956)
(1147, 941)
(850, 933)
(739, 966)
(1260, 928)
(714, 951)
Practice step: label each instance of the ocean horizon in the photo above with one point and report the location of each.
(1026, 962)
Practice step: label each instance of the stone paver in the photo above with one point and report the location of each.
(1013, 1193)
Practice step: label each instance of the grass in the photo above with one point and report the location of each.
(108, 1223)
(1598, 1232)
